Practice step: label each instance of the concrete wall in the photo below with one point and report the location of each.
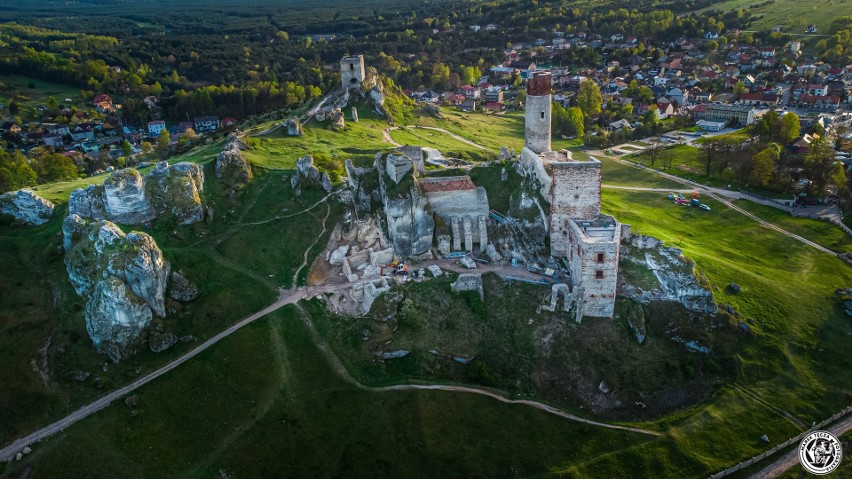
(597, 294)
(537, 124)
(575, 193)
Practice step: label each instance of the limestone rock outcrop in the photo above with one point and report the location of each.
(176, 191)
(88, 202)
(181, 288)
(650, 271)
(115, 317)
(123, 276)
(125, 198)
(26, 207)
(232, 167)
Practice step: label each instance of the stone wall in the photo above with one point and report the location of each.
(352, 71)
(576, 193)
(468, 282)
(595, 277)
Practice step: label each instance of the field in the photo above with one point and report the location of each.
(791, 14)
(32, 93)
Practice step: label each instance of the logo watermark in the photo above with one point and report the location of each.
(820, 452)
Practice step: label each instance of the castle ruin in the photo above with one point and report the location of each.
(579, 233)
(352, 71)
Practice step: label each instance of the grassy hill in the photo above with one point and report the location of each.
(792, 15)
(267, 399)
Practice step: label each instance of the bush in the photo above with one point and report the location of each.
(408, 315)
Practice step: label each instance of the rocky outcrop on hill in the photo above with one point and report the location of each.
(88, 202)
(115, 318)
(127, 197)
(232, 167)
(123, 277)
(649, 271)
(26, 207)
(181, 288)
(176, 191)
(307, 172)
(411, 225)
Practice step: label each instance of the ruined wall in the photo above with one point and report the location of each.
(532, 166)
(466, 208)
(575, 193)
(596, 278)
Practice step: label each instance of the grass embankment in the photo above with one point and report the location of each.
(230, 262)
(265, 402)
(820, 232)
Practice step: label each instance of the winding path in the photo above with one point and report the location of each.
(287, 297)
(344, 373)
(387, 136)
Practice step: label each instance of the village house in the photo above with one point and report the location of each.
(155, 127)
(206, 123)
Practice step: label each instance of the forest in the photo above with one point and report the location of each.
(216, 59)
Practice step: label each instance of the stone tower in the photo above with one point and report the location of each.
(352, 71)
(537, 124)
(575, 194)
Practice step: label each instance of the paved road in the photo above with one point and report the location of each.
(791, 458)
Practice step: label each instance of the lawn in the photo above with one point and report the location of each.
(821, 232)
(358, 141)
(435, 139)
(740, 136)
(31, 92)
(265, 402)
(791, 14)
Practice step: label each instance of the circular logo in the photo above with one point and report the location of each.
(820, 452)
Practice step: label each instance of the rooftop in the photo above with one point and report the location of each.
(599, 230)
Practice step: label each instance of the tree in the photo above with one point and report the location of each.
(189, 134)
(789, 129)
(575, 121)
(839, 132)
(711, 151)
(52, 103)
(589, 98)
(126, 148)
(763, 164)
(147, 147)
(739, 89)
(163, 143)
(653, 152)
(821, 168)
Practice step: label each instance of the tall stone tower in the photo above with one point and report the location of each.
(575, 194)
(537, 124)
(352, 71)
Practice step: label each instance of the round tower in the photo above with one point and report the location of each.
(537, 124)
